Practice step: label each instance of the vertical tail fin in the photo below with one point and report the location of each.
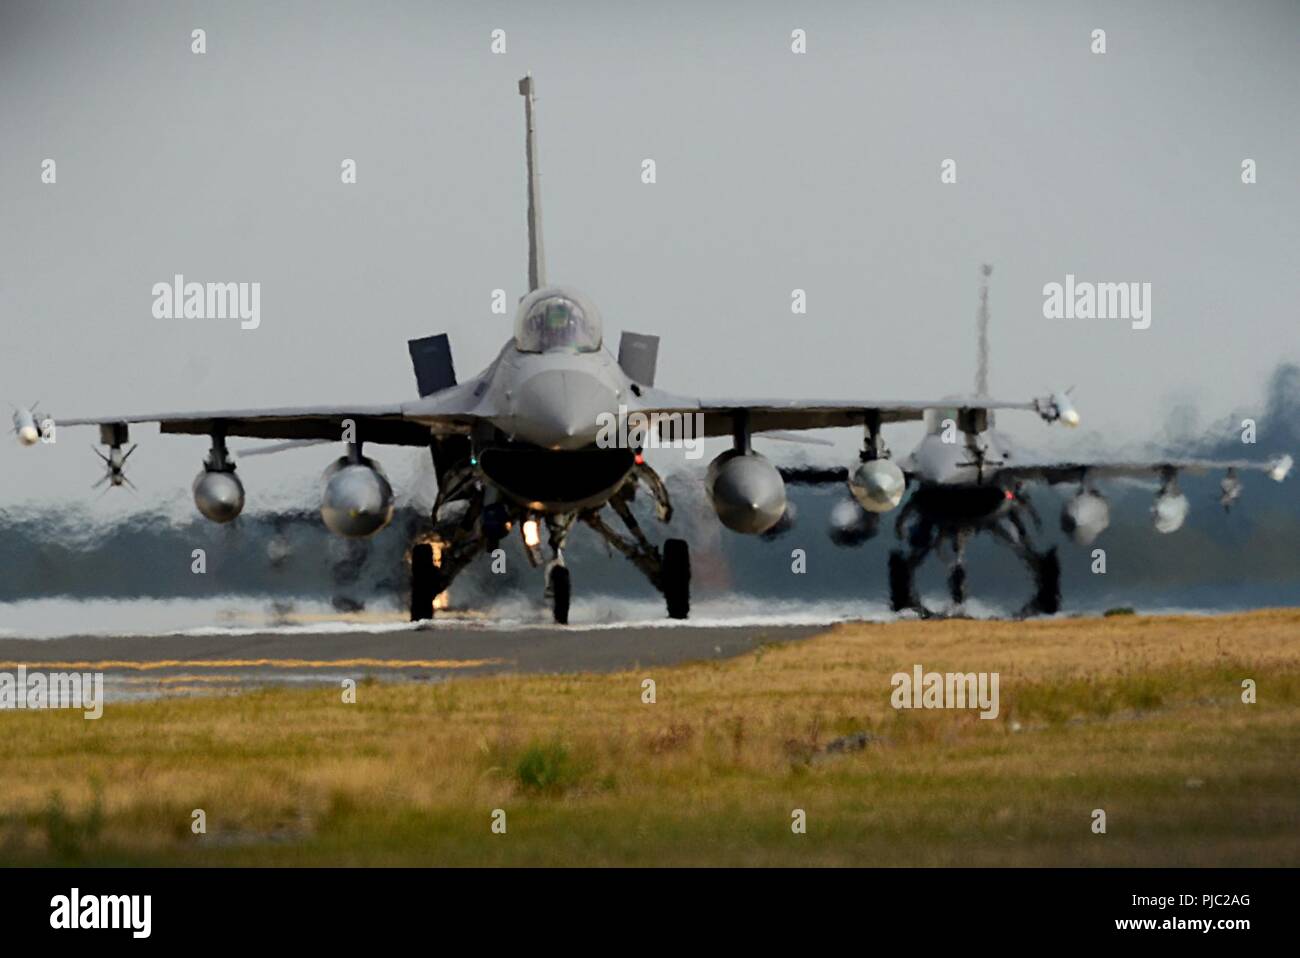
(982, 369)
(536, 261)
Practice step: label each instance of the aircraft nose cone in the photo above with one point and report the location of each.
(562, 408)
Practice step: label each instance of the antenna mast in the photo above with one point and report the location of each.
(982, 370)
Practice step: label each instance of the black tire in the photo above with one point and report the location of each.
(676, 572)
(900, 583)
(1048, 599)
(561, 590)
(424, 582)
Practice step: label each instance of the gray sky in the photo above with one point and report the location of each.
(775, 171)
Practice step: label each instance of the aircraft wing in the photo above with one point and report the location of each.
(455, 409)
(1060, 472)
(377, 424)
(452, 410)
(788, 415)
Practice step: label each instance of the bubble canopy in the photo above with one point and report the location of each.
(557, 321)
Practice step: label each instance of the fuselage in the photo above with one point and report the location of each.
(957, 475)
(548, 394)
(556, 400)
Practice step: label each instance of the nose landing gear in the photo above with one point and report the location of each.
(559, 589)
(559, 585)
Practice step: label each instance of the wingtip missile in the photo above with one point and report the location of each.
(25, 425)
(1058, 408)
(1065, 410)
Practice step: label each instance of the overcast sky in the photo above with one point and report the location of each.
(775, 171)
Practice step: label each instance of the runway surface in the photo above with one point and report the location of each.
(150, 665)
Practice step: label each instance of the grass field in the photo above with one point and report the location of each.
(1139, 716)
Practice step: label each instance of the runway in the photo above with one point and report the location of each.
(151, 665)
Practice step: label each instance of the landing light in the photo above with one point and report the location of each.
(532, 534)
(440, 601)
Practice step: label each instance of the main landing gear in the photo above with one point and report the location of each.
(470, 528)
(669, 570)
(1044, 566)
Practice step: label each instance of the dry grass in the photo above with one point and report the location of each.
(1140, 716)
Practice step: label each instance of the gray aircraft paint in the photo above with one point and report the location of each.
(849, 210)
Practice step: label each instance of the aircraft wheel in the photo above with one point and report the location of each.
(560, 589)
(900, 583)
(1048, 599)
(676, 572)
(424, 582)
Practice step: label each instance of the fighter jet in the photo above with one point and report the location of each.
(550, 434)
(967, 477)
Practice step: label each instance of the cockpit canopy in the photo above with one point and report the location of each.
(551, 320)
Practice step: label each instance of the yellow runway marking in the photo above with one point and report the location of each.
(152, 680)
(254, 663)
